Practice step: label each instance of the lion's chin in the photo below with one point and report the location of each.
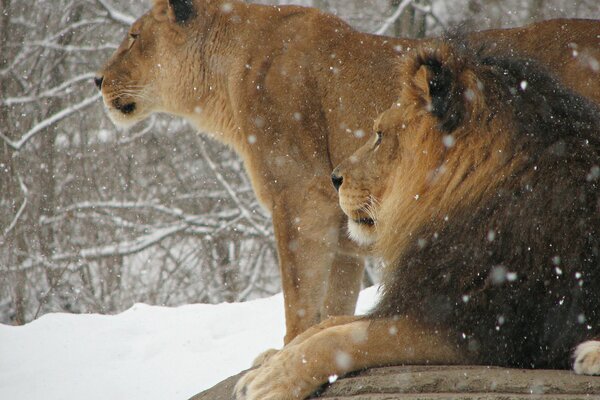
(361, 233)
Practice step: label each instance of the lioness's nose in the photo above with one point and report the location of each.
(336, 180)
(98, 81)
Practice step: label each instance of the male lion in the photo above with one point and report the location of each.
(292, 90)
(481, 191)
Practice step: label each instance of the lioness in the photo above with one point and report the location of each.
(481, 191)
(293, 90)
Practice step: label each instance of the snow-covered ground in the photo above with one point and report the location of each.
(144, 353)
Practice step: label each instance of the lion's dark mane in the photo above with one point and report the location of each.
(516, 279)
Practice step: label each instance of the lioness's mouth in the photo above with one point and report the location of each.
(365, 221)
(125, 108)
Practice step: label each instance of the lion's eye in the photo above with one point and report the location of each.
(132, 37)
(379, 137)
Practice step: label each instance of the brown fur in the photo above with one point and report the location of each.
(497, 260)
(293, 106)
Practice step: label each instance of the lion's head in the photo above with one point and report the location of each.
(444, 143)
(159, 65)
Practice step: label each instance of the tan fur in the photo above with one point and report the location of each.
(420, 177)
(293, 90)
(408, 180)
(303, 366)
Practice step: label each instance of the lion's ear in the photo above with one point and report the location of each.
(438, 85)
(181, 11)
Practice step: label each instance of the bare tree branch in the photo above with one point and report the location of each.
(69, 48)
(123, 248)
(390, 21)
(428, 11)
(245, 212)
(19, 212)
(17, 145)
(116, 15)
(55, 91)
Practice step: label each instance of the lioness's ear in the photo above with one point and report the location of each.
(181, 11)
(436, 79)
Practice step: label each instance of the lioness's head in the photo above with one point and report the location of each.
(159, 65)
(435, 148)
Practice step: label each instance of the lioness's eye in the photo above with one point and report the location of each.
(379, 137)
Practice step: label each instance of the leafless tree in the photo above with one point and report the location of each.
(94, 218)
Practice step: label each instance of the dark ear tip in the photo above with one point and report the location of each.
(183, 10)
(440, 87)
(444, 92)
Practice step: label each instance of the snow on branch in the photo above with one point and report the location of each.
(209, 222)
(245, 212)
(22, 55)
(388, 22)
(205, 225)
(258, 264)
(122, 248)
(55, 91)
(69, 48)
(136, 245)
(428, 11)
(116, 15)
(19, 213)
(74, 26)
(17, 145)
(147, 129)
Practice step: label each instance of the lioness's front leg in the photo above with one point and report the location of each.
(299, 369)
(343, 286)
(306, 231)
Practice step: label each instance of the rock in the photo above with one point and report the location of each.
(446, 382)
(221, 391)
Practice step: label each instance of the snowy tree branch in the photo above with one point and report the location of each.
(17, 145)
(257, 264)
(147, 129)
(388, 22)
(245, 212)
(116, 15)
(69, 48)
(70, 28)
(52, 92)
(215, 220)
(19, 213)
(122, 248)
(428, 10)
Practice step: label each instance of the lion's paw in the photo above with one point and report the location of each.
(587, 358)
(264, 357)
(279, 378)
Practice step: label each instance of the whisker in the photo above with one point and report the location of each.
(371, 208)
(135, 95)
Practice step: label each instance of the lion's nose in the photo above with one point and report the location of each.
(337, 181)
(98, 81)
